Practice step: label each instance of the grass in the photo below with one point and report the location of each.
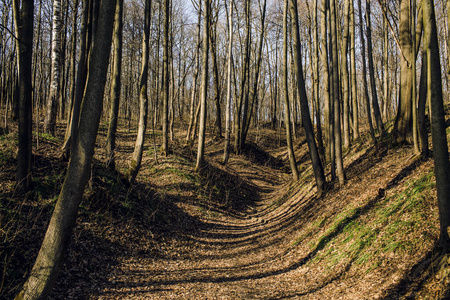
(366, 237)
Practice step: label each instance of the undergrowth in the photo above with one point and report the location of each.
(370, 237)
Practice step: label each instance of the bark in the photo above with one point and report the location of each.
(226, 153)
(194, 81)
(304, 107)
(403, 124)
(287, 114)
(438, 128)
(336, 96)
(421, 119)
(82, 69)
(254, 90)
(317, 112)
(204, 88)
(23, 21)
(115, 86)
(136, 158)
(345, 77)
(325, 72)
(364, 77)
(52, 102)
(355, 108)
(57, 237)
(166, 83)
(373, 86)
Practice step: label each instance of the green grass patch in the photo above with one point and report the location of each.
(364, 236)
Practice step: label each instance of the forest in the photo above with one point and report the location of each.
(223, 149)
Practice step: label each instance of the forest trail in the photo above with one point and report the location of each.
(244, 230)
(265, 247)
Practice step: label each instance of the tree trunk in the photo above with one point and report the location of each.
(355, 108)
(345, 77)
(373, 86)
(336, 97)
(306, 118)
(136, 159)
(438, 128)
(317, 113)
(287, 114)
(423, 133)
(325, 72)
(194, 81)
(50, 258)
(204, 88)
(166, 83)
(52, 102)
(116, 86)
(403, 124)
(23, 21)
(226, 153)
(364, 77)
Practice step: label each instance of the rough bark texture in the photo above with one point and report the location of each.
(336, 95)
(307, 124)
(345, 77)
(57, 237)
(287, 113)
(204, 88)
(115, 86)
(403, 126)
(166, 84)
(136, 159)
(373, 86)
(438, 132)
(226, 153)
(355, 108)
(52, 102)
(23, 18)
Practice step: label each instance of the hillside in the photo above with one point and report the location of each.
(240, 231)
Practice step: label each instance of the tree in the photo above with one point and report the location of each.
(57, 237)
(166, 83)
(226, 153)
(52, 102)
(354, 86)
(115, 86)
(336, 98)
(373, 86)
(364, 72)
(345, 76)
(23, 21)
(204, 88)
(438, 133)
(136, 158)
(287, 113)
(403, 123)
(306, 118)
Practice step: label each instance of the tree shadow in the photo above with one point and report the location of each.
(415, 279)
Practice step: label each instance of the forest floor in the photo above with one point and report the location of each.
(240, 231)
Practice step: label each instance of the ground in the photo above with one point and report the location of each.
(240, 231)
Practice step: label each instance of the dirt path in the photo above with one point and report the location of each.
(263, 250)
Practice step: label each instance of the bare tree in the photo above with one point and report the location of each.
(57, 237)
(226, 153)
(307, 124)
(136, 159)
(204, 88)
(52, 102)
(438, 133)
(287, 113)
(115, 86)
(23, 21)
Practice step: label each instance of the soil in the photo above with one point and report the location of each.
(239, 231)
